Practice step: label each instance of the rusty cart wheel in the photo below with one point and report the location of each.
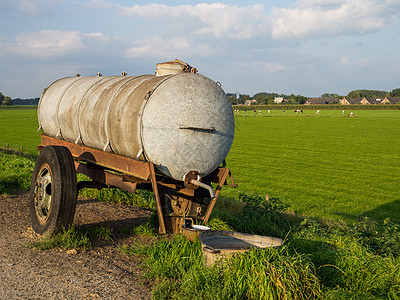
(53, 191)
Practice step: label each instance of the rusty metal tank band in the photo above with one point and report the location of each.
(58, 129)
(108, 144)
(58, 106)
(98, 85)
(92, 113)
(99, 82)
(147, 97)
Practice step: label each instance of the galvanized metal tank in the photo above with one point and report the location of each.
(180, 121)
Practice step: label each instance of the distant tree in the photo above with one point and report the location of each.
(232, 99)
(329, 95)
(7, 101)
(1, 98)
(30, 101)
(353, 94)
(301, 99)
(395, 93)
(242, 99)
(367, 93)
(265, 98)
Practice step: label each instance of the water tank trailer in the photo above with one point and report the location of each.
(168, 133)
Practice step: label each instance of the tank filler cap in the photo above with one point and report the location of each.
(174, 67)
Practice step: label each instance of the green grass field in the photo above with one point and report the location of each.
(18, 128)
(325, 165)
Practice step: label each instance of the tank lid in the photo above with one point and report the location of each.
(174, 67)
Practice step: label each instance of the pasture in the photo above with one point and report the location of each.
(18, 128)
(326, 165)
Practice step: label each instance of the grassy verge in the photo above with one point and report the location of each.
(319, 260)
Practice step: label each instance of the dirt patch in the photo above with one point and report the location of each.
(99, 273)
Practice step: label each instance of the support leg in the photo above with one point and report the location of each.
(210, 208)
(161, 227)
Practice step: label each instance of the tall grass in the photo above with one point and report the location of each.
(257, 274)
(319, 260)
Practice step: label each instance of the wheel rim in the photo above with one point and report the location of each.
(43, 194)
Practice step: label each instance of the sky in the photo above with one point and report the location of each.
(305, 47)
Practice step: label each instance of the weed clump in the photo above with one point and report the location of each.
(264, 216)
(71, 238)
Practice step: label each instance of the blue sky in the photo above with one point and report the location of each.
(305, 47)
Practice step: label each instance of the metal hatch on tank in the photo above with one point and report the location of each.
(169, 132)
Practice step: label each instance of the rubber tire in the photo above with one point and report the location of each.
(63, 190)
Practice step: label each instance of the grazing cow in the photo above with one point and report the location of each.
(317, 112)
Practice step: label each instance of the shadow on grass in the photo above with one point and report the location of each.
(389, 210)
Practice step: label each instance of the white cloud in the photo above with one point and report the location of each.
(305, 19)
(98, 36)
(167, 48)
(215, 19)
(274, 67)
(358, 63)
(311, 19)
(36, 7)
(103, 4)
(48, 42)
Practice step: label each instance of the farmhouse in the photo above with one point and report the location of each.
(249, 102)
(369, 100)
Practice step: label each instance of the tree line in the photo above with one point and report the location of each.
(264, 98)
(7, 101)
